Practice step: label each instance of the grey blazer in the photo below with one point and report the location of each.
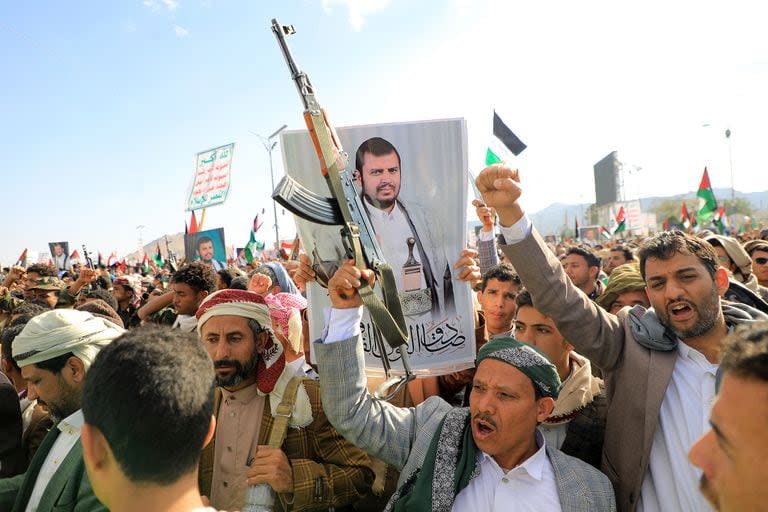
(401, 436)
(636, 378)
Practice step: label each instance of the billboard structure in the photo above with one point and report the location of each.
(607, 179)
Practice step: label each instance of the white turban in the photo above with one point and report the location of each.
(58, 332)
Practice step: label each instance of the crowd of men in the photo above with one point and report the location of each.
(629, 377)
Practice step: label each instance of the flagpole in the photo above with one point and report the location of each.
(269, 146)
(730, 164)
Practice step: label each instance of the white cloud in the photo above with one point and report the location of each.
(180, 31)
(171, 5)
(358, 9)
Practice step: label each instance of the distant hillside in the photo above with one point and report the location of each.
(557, 216)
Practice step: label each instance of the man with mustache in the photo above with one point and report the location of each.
(733, 452)
(55, 351)
(660, 364)
(314, 468)
(480, 458)
(378, 174)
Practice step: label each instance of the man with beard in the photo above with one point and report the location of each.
(378, 174)
(733, 452)
(487, 457)
(660, 364)
(206, 253)
(314, 468)
(54, 352)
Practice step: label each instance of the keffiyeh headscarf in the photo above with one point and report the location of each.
(134, 283)
(58, 332)
(285, 310)
(271, 374)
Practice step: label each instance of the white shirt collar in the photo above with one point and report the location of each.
(696, 357)
(533, 465)
(379, 214)
(72, 423)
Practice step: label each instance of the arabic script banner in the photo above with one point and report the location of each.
(210, 184)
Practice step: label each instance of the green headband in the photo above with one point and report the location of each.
(526, 358)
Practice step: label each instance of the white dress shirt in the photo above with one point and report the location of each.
(671, 482)
(392, 231)
(70, 434)
(531, 486)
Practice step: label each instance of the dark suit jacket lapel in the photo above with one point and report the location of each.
(34, 469)
(70, 466)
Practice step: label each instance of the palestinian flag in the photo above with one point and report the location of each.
(621, 222)
(605, 233)
(158, 257)
(503, 140)
(257, 224)
(145, 264)
(707, 202)
(22, 260)
(684, 216)
(721, 221)
(74, 257)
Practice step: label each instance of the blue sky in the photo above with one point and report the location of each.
(106, 103)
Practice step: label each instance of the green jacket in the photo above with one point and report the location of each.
(68, 490)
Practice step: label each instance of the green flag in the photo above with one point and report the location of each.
(250, 248)
(707, 201)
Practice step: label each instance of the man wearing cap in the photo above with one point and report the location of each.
(758, 251)
(45, 290)
(127, 292)
(626, 288)
(479, 458)
(734, 258)
(314, 468)
(54, 351)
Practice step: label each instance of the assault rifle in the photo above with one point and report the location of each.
(88, 259)
(344, 209)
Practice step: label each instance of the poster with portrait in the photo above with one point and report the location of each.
(412, 178)
(60, 255)
(207, 246)
(590, 235)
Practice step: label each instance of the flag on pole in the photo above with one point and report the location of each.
(193, 224)
(707, 201)
(721, 220)
(605, 233)
(158, 257)
(611, 220)
(22, 260)
(684, 216)
(75, 256)
(503, 137)
(621, 221)
(253, 248)
(145, 264)
(256, 223)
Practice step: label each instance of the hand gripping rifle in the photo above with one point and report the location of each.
(88, 259)
(345, 209)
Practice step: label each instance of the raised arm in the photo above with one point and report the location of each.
(594, 332)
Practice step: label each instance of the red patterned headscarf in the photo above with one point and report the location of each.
(248, 305)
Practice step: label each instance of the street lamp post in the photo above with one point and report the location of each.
(730, 165)
(269, 145)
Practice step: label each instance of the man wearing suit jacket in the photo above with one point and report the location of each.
(660, 364)
(54, 351)
(478, 458)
